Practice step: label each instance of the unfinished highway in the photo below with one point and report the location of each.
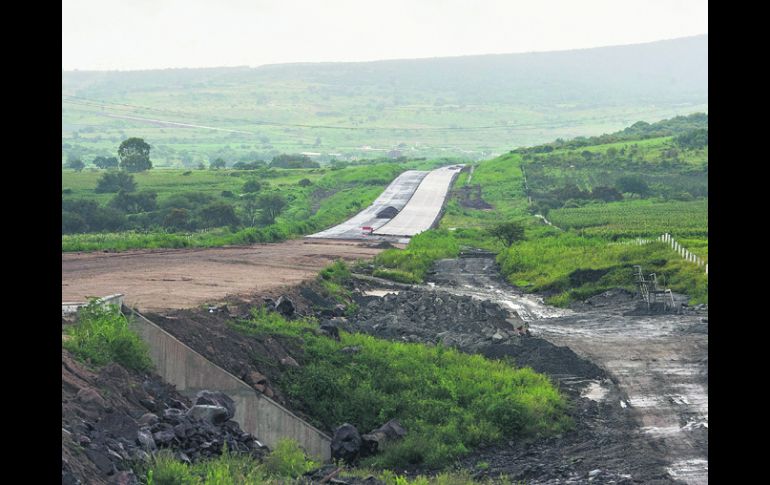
(395, 196)
(411, 204)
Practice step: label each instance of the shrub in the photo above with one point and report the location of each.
(166, 470)
(288, 460)
(252, 186)
(112, 182)
(508, 232)
(133, 203)
(72, 222)
(218, 214)
(102, 336)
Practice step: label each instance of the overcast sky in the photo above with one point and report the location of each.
(156, 34)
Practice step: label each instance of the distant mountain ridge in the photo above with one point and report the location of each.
(391, 104)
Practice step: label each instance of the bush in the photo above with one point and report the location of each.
(508, 232)
(72, 222)
(112, 182)
(252, 186)
(167, 470)
(134, 203)
(218, 214)
(102, 336)
(288, 460)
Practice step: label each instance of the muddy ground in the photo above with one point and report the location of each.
(184, 278)
(652, 414)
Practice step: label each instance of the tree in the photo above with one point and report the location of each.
(134, 203)
(271, 206)
(112, 182)
(177, 219)
(305, 183)
(632, 184)
(251, 210)
(607, 194)
(217, 164)
(106, 162)
(201, 166)
(76, 164)
(508, 232)
(218, 214)
(134, 154)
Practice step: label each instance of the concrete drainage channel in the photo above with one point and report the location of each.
(190, 372)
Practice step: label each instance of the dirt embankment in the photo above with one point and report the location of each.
(155, 280)
(113, 420)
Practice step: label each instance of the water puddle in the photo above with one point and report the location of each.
(380, 292)
(595, 391)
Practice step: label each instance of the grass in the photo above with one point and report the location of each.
(102, 336)
(557, 264)
(284, 463)
(448, 401)
(409, 265)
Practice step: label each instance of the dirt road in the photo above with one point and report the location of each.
(153, 280)
(659, 362)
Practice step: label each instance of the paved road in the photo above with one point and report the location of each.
(424, 207)
(396, 195)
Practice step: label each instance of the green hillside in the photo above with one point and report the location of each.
(472, 106)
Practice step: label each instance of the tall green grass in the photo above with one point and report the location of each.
(409, 265)
(102, 336)
(549, 264)
(449, 402)
(284, 464)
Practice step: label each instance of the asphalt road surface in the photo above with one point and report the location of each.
(396, 195)
(423, 209)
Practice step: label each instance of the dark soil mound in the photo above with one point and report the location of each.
(114, 419)
(436, 316)
(543, 356)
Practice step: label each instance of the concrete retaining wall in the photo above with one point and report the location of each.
(257, 414)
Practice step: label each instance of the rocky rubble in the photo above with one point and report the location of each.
(349, 445)
(437, 317)
(113, 419)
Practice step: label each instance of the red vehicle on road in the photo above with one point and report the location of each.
(367, 230)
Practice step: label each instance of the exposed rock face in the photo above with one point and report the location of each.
(438, 317)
